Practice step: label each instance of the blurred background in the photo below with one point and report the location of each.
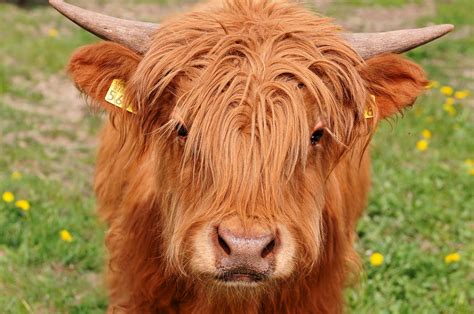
(416, 239)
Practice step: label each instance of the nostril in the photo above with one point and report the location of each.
(223, 245)
(268, 248)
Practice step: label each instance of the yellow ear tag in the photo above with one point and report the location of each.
(369, 110)
(116, 94)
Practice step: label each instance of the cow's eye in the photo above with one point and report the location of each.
(182, 131)
(316, 136)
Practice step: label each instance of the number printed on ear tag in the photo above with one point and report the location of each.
(116, 95)
(369, 110)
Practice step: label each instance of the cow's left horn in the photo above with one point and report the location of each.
(372, 44)
(132, 34)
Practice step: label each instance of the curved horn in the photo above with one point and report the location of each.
(132, 34)
(372, 44)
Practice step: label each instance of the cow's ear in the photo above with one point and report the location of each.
(94, 67)
(394, 81)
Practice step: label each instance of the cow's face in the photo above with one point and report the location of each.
(255, 119)
(244, 120)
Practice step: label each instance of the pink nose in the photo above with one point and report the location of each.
(244, 254)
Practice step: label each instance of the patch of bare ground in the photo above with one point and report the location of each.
(61, 98)
(60, 126)
(127, 9)
(61, 93)
(378, 18)
(95, 281)
(462, 32)
(60, 273)
(322, 5)
(61, 102)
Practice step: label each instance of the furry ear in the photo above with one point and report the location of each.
(394, 81)
(94, 67)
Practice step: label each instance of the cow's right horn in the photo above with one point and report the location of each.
(135, 35)
(372, 44)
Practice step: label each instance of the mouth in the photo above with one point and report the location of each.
(241, 276)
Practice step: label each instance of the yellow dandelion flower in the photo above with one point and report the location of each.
(432, 84)
(449, 109)
(452, 258)
(53, 32)
(8, 197)
(469, 162)
(449, 101)
(16, 175)
(426, 134)
(446, 90)
(65, 235)
(422, 145)
(376, 259)
(23, 204)
(471, 171)
(461, 94)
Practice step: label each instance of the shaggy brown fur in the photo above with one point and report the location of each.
(250, 80)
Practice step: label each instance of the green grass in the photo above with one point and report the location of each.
(420, 207)
(420, 211)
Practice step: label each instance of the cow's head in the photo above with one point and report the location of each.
(242, 112)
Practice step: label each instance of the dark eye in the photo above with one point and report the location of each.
(316, 136)
(300, 85)
(182, 131)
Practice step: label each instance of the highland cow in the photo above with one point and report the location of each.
(233, 169)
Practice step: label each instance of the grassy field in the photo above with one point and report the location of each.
(420, 217)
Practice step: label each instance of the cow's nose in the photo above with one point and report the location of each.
(245, 246)
(245, 254)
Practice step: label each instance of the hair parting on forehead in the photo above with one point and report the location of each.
(232, 72)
